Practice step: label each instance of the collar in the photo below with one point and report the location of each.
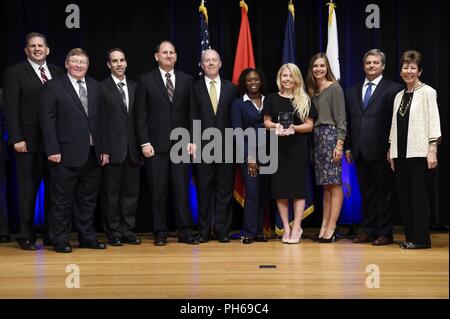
(163, 73)
(37, 66)
(374, 82)
(116, 80)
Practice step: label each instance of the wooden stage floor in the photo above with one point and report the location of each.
(228, 271)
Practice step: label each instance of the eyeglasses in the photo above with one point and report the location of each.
(81, 62)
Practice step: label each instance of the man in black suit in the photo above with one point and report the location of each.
(369, 115)
(162, 102)
(23, 84)
(4, 231)
(120, 178)
(74, 131)
(212, 100)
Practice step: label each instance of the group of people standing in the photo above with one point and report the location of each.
(88, 139)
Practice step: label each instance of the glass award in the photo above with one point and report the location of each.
(285, 119)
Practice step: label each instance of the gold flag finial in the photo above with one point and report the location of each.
(332, 7)
(242, 4)
(203, 10)
(291, 8)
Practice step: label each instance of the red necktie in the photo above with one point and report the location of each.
(44, 78)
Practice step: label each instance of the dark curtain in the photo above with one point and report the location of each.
(137, 26)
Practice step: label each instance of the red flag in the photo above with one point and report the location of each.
(244, 59)
(244, 51)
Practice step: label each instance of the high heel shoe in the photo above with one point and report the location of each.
(317, 236)
(296, 237)
(332, 239)
(286, 236)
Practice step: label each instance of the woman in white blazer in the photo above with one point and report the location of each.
(415, 135)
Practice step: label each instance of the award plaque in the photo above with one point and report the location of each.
(285, 119)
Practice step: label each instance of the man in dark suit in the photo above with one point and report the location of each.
(120, 178)
(212, 100)
(5, 236)
(369, 115)
(162, 104)
(23, 84)
(74, 132)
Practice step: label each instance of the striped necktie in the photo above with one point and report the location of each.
(44, 77)
(169, 86)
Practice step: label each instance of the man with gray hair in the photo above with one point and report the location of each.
(369, 106)
(212, 98)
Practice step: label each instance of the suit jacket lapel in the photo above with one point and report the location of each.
(160, 83)
(378, 90)
(68, 85)
(131, 90)
(115, 91)
(32, 74)
(206, 99)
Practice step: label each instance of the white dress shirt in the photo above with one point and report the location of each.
(38, 72)
(375, 83)
(125, 88)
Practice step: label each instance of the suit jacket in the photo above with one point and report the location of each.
(203, 110)
(368, 129)
(65, 124)
(121, 122)
(22, 94)
(155, 115)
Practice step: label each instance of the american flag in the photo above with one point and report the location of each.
(204, 33)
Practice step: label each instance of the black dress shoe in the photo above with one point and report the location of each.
(132, 240)
(190, 240)
(93, 245)
(5, 239)
(115, 241)
(160, 241)
(246, 240)
(381, 241)
(62, 247)
(362, 238)
(411, 245)
(261, 238)
(203, 239)
(27, 244)
(223, 239)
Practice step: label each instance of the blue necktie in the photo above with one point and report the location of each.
(367, 95)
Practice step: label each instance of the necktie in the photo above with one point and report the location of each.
(367, 95)
(122, 92)
(169, 86)
(44, 77)
(213, 95)
(83, 95)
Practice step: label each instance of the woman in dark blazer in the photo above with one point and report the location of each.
(246, 112)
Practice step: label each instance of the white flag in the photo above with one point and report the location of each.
(333, 46)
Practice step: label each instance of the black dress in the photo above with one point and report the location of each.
(289, 181)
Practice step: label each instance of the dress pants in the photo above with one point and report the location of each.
(215, 191)
(412, 192)
(163, 176)
(256, 201)
(376, 182)
(74, 190)
(120, 194)
(30, 170)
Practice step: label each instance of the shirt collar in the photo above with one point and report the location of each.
(208, 80)
(375, 81)
(116, 80)
(37, 66)
(163, 73)
(73, 80)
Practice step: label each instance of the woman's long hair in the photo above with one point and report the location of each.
(311, 83)
(301, 101)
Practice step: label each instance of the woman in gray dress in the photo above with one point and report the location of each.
(329, 135)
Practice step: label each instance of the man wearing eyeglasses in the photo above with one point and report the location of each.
(75, 137)
(23, 83)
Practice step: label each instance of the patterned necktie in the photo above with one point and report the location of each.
(169, 86)
(44, 77)
(122, 93)
(213, 95)
(83, 95)
(367, 95)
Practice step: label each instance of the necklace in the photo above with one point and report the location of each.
(403, 108)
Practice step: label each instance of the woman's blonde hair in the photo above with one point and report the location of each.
(301, 102)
